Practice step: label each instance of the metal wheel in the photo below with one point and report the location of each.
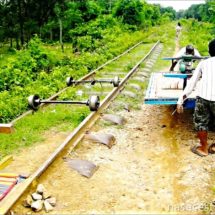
(69, 81)
(34, 102)
(93, 103)
(116, 81)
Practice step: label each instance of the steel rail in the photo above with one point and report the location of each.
(74, 138)
(90, 74)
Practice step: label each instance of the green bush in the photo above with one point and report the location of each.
(192, 28)
(42, 69)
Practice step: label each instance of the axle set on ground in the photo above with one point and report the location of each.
(115, 81)
(93, 102)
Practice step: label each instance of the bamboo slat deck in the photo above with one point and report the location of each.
(164, 90)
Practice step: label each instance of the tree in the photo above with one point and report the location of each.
(168, 10)
(23, 18)
(130, 11)
(202, 12)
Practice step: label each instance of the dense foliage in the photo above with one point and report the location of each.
(200, 29)
(192, 28)
(42, 69)
(201, 12)
(52, 19)
(90, 32)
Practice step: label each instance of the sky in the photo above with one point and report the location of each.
(176, 4)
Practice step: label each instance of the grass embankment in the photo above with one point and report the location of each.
(42, 71)
(169, 43)
(31, 129)
(199, 34)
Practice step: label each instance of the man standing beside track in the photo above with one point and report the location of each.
(205, 100)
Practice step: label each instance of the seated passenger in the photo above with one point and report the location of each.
(187, 64)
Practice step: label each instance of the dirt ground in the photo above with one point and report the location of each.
(150, 169)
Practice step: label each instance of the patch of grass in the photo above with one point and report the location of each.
(6, 55)
(30, 129)
(128, 61)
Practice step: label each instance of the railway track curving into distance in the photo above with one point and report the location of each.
(72, 140)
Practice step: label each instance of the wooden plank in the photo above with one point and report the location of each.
(5, 161)
(8, 175)
(163, 88)
(6, 128)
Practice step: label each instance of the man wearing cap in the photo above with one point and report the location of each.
(188, 50)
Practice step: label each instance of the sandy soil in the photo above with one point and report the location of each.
(150, 169)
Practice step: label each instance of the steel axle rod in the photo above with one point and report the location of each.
(34, 102)
(61, 102)
(115, 81)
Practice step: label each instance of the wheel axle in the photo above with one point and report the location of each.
(93, 102)
(115, 81)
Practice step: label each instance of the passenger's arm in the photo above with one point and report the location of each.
(191, 85)
(173, 65)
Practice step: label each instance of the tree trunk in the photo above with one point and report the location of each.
(61, 34)
(40, 29)
(110, 6)
(28, 37)
(51, 34)
(21, 22)
(17, 43)
(11, 42)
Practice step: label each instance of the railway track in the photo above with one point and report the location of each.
(71, 141)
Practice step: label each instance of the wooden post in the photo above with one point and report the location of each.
(61, 34)
(6, 128)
